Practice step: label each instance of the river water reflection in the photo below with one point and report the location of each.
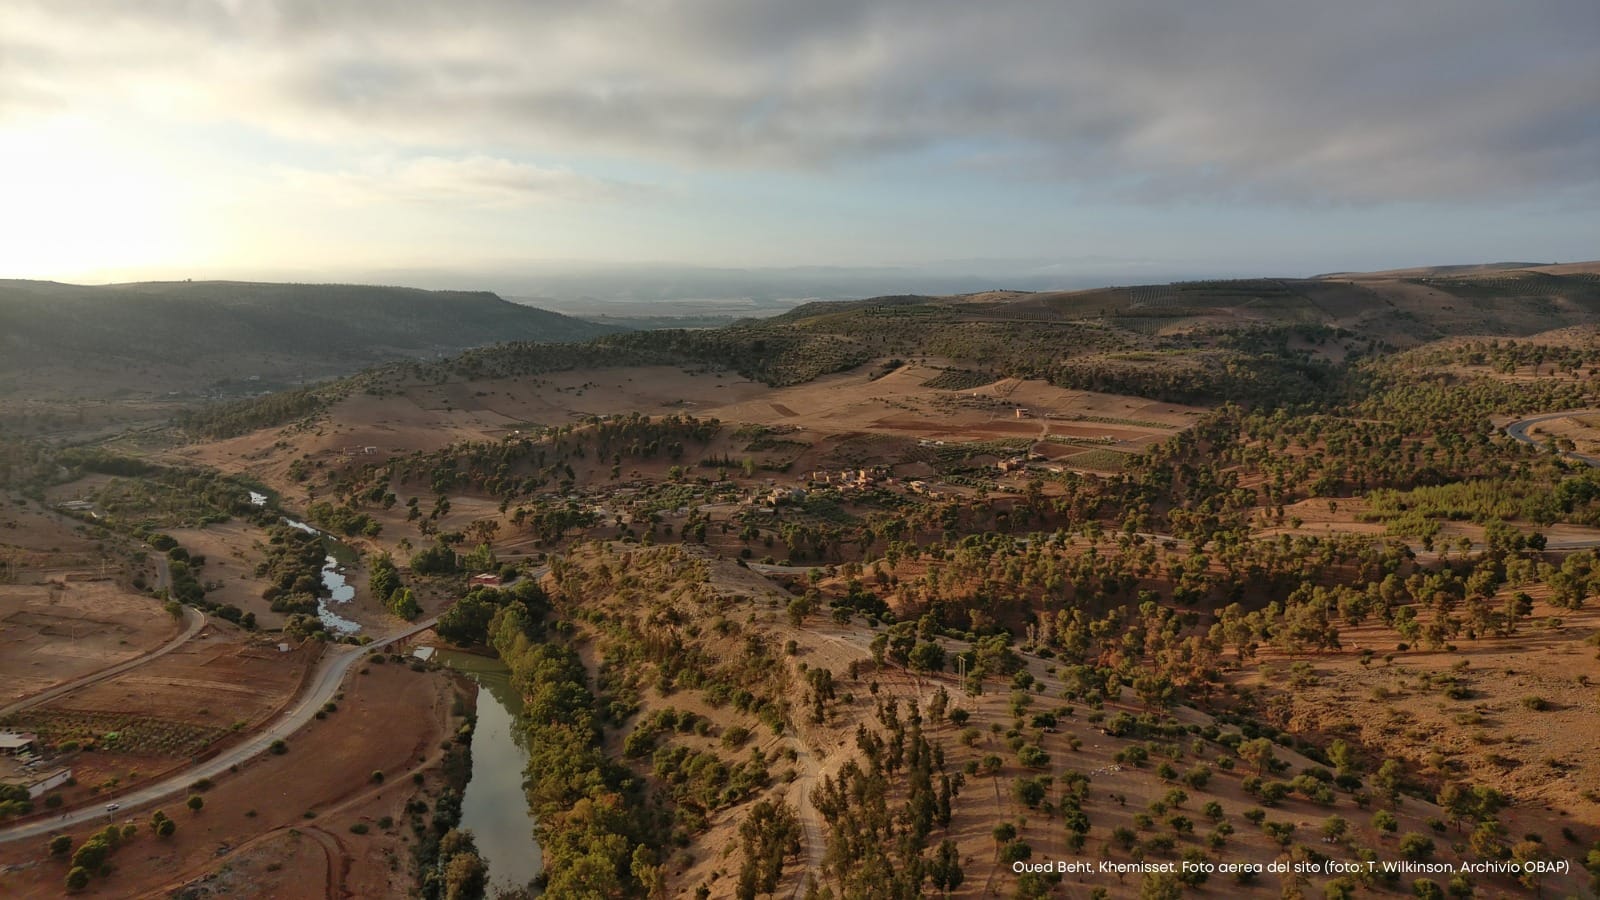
(495, 807)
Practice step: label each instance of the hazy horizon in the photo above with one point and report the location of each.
(1118, 141)
(632, 288)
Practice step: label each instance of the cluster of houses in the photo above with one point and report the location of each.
(781, 495)
(1018, 463)
(849, 480)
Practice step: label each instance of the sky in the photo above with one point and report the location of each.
(1101, 138)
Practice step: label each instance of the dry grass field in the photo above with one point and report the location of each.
(281, 826)
(64, 629)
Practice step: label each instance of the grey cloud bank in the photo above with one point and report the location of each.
(1353, 102)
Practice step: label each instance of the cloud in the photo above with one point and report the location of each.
(471, 181)
(1361, 101)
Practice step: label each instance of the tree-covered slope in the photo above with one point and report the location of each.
(272, 331)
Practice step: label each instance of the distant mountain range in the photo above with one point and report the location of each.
(189, 335)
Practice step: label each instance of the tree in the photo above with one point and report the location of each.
(938, 704)
(1030, 792)
(1156, 691)
(1415, 847)
(1160, 886)
(404, 604)
(946, 868)
(770, 834)
(196, 802)
(1527, 851)
(1485, 840)
(1388, 778)
(1343, 757)
(927, 657)
(1033, 756)
(1258, 753)
(77, 879)
(465, 876)
(92, 853)
(1455, 802)
(61, 845)
(1427, 889)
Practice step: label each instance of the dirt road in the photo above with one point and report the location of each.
(335, 665)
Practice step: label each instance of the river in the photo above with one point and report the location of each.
(339, 589)
(495, 807)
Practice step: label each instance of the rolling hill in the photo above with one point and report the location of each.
(188, 336)
(1245, 340)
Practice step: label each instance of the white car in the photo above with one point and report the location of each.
(113, 807)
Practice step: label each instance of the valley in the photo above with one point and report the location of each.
(897, 597)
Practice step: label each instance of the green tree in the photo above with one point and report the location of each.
(1258, 753)
(927, 657)
(465, 876)
(1388, 779)
(945, 870)
(92, 853)
(1415, 847)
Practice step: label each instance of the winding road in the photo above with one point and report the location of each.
(332, 669)
(335, 665)
(1518, 431)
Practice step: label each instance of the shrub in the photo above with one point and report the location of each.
(1416, 847)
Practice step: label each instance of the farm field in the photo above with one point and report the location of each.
(254, 834)
(64, 629)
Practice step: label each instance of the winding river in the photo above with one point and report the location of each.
(495, 807)
(340, 590)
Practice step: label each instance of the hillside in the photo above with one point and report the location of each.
(73, 340)
(1245, 340)
(884, 596)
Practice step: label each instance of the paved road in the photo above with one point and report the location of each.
(1518, 430)
(196, 620)
(335, 664)
(332, 669)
